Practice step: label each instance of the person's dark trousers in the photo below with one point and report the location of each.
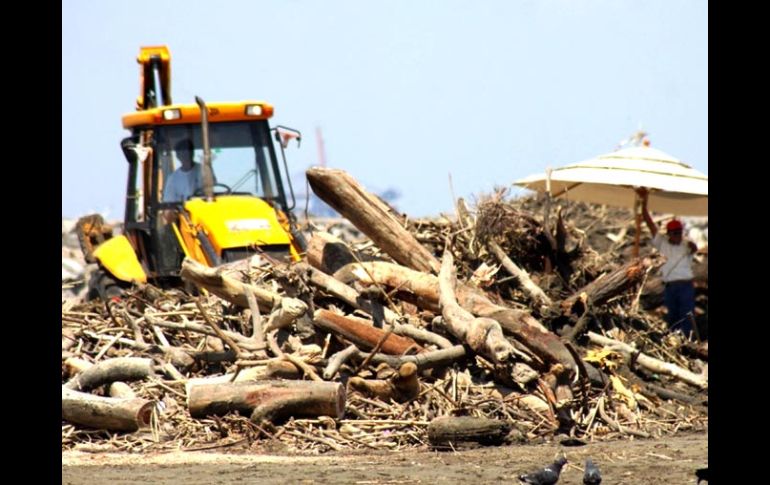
(679, 298)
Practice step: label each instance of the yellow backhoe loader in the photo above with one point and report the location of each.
(229, 206)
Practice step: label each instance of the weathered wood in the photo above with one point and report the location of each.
(362, 333)
(227, 287)
(285, 314)
(257, 329)
(245, 343)
(278, 369)
(650, 363)
(535, 292)
(121, 390)
(105, 412)
(181, 358)
(605, 287)
(423, 335)
(581, 324)
(336, 361)
(559, 382)
(483, 335)
(426, 286)
(76, 365)
(371, 216)
(391, 275)
(328, 253)
(271, 369)
(426, 360)
(222, 336)
(525, 328)
(546, 345)
(448, 431)
(270, 400)
(347, 294)
(108, 371)
(616, 425)
(534, 403)
(353, 298)
(514, 374)
(651, 390)
(401, 387)
(68, 339)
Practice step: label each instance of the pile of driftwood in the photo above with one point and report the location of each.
(495, 326)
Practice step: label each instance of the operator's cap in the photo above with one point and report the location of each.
(674, 225)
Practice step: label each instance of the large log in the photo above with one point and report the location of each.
(347, 294)
(483, 335)
(448, 431)
(392, 275)
(105, 412)
(362, 333)
(270, 400)
(426, 287)
(273, 369)
(118, 389)
(371, 216)
(378, 312)
(525, 328)
(109, 371)
(605, 287)
(536, 338)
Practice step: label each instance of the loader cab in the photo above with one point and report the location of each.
(248, 187)
(243, 160)
(241, 210)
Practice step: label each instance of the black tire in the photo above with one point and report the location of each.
(103, 286)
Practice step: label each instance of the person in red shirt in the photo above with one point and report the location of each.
(676, 272)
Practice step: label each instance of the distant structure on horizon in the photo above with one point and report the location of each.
(317, 207)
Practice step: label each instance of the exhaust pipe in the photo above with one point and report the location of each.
(208, 178)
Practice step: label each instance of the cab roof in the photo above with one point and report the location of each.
(176, 114)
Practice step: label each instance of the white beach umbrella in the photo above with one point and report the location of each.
(611, 179)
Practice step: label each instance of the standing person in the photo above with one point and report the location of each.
(677, 274)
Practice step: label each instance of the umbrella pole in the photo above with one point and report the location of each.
(638, 216)
(546, 225)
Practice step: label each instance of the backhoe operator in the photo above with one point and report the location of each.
(185, 180)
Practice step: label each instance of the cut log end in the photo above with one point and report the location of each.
(144, 415)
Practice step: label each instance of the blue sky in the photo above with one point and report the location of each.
(405, 92)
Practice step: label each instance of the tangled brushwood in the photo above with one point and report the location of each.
(500, 324)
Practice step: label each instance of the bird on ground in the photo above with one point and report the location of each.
(702, 474)
(591, 475)
(546, 476)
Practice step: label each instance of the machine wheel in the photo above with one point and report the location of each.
(103, 286)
